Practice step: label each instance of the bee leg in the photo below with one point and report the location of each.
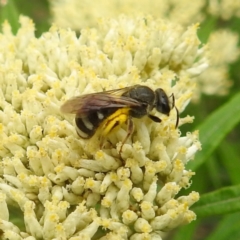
(102, 141)
(130, 129)
(154, 118)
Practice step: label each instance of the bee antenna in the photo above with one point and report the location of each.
(177, 121)
(173, 105)
(173, 100)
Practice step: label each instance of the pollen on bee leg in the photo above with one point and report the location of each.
(105, 143)
(130, 129)
(92, 145)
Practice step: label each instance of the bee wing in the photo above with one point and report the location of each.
(84, 104)
(118, 92)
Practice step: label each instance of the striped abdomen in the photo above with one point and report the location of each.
(87, 126)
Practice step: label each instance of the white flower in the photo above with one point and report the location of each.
(224, 8)
(68, 187)
(215, 81)
(81, 14)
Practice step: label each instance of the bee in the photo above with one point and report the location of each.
(108, 109)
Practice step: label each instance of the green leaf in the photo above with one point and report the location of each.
(215, 128)
(228, 228)
(185, 232)
(206, 28)
(225, 200)
(229, 156)
(16, 217)
(212, 169)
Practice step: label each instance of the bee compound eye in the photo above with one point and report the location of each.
(162, 101)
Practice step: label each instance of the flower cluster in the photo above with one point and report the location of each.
(225, 9)
(184, 12)
(215, 81)
(67, 187)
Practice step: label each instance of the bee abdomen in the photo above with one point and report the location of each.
(84, 130)
(87, 126)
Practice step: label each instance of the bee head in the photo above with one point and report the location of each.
(162, 103)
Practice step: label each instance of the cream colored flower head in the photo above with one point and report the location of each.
(216, 80)
(224, 9)
(66, 186)
(79, 14)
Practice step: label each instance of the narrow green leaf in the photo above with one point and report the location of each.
(213, 172)
(228, 228)
(185, 232)
(215, 128)
(225, 200)
(229, 156)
